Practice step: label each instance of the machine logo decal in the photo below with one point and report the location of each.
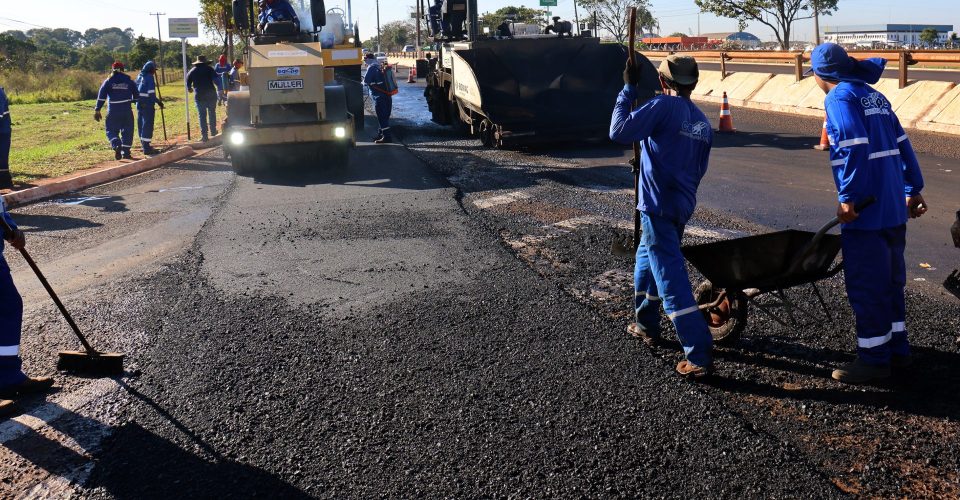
(287, 53)
(285, 84)
(696, 131)
(288, 71)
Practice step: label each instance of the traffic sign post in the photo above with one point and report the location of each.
(183, 28)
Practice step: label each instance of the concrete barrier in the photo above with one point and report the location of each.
(944, 116)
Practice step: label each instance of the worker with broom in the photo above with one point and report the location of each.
(13, 382)
(871, 156)
(676, 139)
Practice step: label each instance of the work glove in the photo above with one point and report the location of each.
(97, 116)
(160, 104)
(631, 74)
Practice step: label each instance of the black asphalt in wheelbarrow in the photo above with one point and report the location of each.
(739, 271)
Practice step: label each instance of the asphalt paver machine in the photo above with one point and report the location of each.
(512, 86)
(301, 98)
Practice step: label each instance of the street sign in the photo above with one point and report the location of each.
(548, 3)
(184, 27)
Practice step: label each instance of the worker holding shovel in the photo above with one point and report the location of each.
(675, 139)
(13, 382)
(147, 97)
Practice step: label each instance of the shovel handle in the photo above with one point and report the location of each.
(53, 295)
(632, 55)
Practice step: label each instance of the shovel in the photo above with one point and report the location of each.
(88, 361)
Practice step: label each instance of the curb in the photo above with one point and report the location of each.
(84, 181)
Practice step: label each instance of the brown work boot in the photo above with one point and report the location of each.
(859, 372)
(30, 385)
(638, 332)
(7, 407)
(691, 371)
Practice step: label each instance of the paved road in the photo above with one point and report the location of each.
(443, 321)
(788, 69)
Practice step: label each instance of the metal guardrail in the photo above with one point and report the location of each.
(905, 58)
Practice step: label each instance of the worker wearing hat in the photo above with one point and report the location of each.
(675, 139)
(871, 156)
(146, 99)
(207, 87)
(13, 382)
(120, 92)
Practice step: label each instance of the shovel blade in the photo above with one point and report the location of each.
(623, 247)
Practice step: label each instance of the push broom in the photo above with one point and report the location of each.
(88, 361)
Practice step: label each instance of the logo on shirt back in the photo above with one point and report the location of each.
(697, 131)
(875, 104)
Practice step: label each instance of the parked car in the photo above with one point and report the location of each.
(382, 57)
(409, 48)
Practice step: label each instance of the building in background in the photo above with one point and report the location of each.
(883, 35)
(738, 39)
(676, 42)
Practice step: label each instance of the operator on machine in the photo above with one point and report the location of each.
(276, 11)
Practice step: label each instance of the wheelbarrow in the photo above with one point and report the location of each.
(739, 272)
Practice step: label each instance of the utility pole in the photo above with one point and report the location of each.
(418, 26)
(163, 76)
(816, 22)
(378, 27)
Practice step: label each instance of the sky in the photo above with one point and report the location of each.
(674, 15)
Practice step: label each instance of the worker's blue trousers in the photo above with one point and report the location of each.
(4, 158)
(383, 105)
(207, 110)
(145, 125)
(875, 275)
(120, 128)
(660, 277)
(11, 317)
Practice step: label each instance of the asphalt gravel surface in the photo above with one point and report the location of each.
(439, 320)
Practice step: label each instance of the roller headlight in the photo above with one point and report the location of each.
(236, 138)
(340, 132)
(352, 40)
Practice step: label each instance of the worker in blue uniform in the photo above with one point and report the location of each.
(13, 382)
(6, 180)
(434, 17)
(121, 92)
(146, 99)
(871, 156)
(375, 79)
(276, 11)
(675, 139)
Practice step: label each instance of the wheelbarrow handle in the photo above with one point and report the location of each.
(812, 245)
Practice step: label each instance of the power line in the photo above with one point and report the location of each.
(24, 22)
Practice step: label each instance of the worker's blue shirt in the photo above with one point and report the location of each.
(871, 155)
(281, 10)
(6, 217)
(675, 139)
(120, 90)
(4, 113)
(146, 91)
(205, 82)
(374, 80)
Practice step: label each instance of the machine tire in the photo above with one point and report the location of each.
(335, 156)
(350, 77)
(726, 321)
(487, 133)
(242, 162)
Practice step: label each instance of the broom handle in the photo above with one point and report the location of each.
(163, 119)
(632, 37)
(53, 295)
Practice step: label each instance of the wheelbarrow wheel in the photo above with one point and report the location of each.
(728, 319)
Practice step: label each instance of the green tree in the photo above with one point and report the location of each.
(144, 49)
(216, 16)
(516, 14)
(15, 53)
(394, 35)
(778, 15)
(95, 59)
(930, 36)
(677, 34)
(614, 16)
(954, 40)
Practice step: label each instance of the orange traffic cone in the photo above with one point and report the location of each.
(824, 140)
(726, 119)
(412, 76)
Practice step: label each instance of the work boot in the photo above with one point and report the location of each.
(638, 332)
(204, 139)
(385, 139)
(898, 361)
(116, 153)
(7, 407)
(691, 371)
(126, 155)
(30, 385)
(860, 372)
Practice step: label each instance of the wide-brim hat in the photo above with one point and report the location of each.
(201, 60)
(679, 69)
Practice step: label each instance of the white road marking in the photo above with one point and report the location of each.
(44, 414)
(502, 199)
(575, 223)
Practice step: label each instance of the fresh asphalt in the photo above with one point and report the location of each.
(444, 321)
